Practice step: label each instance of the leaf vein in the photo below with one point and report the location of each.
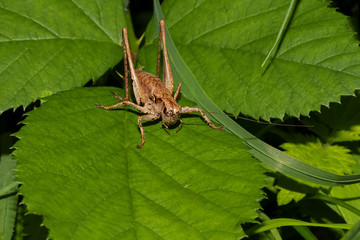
(32, 20)
(27, 80)
(93, 20)
(169, 211)
(236, 21)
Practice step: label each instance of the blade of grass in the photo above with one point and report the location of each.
(282, 31)
(5, 190)
(274, 232)
(283, 222)
(354, 232)
(305, 232)
(337, 202)
(270, 156)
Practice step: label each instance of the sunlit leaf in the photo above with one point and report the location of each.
(80, 168)
(332, 158)
(50, 46)
(225, 43)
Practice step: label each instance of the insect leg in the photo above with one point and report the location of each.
(110, 107)
(145, 117)
(158, 56)
(113, 106)
(167, 74)
(124, 103)
(135, 81)
(195, 109)
(176, 95)
(118, 97)
(126, 68)
(134, 105)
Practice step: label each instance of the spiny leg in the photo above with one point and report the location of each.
(124, 103)
(158, 56)
(125, 77)
(145, 117)
(167, 74)
(135, 80)
(118, 97)
(126, 68)
(195, 109)
(134, 105)
(110, 107)
(113, 106)
(176, 95)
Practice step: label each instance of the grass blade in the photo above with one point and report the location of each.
(282, 222)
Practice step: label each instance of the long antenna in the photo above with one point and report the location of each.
(264, 123)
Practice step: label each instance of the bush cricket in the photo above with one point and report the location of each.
(153, 96)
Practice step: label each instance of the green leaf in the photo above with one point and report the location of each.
(80, 168)
(332, 158)
(353, 134)
(8, 199)
(272, 157)
(291, 189)
(50, 46)
(225, 43)
(349, 194)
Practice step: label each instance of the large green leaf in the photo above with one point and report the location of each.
(80, 168)
(8, 198)
(269, 155)
(225, 43)
(49, 46)
(332, 158)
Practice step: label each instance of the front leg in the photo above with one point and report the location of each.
(195, 109)
(124, 102)
(113, 106)
(145, 117)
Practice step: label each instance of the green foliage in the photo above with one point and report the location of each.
(225, 52)
(80, 168)
(336, 159)
(332, 158)
(335, 124)
(8, 199)
(354, 233)
(82, 176)
(55, 46)
(267, 154)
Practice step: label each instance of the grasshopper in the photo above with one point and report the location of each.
(153, 97)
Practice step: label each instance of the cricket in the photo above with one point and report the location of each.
(153, 97)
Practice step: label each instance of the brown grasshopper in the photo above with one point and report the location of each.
(153, 97)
